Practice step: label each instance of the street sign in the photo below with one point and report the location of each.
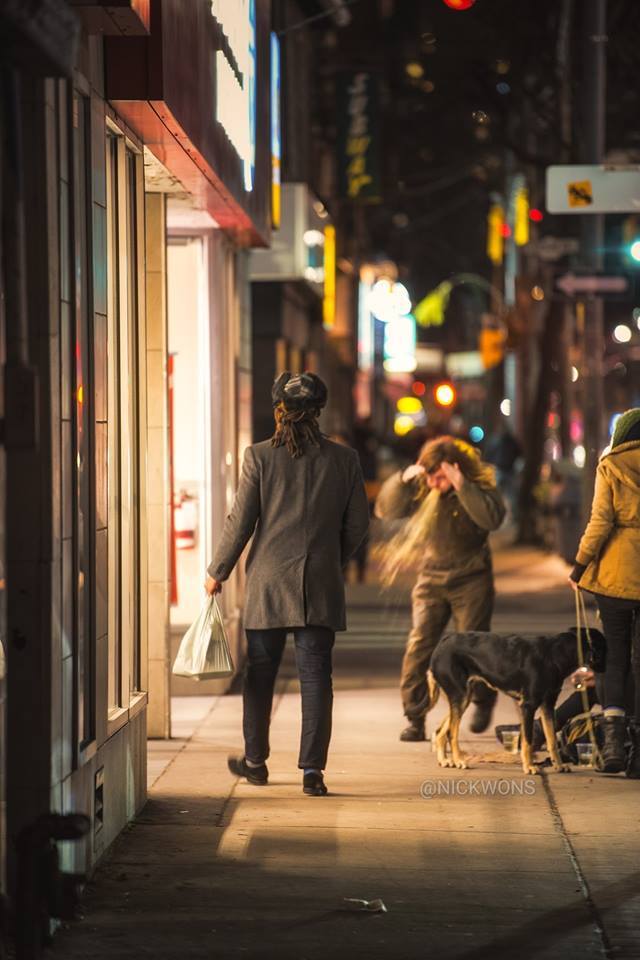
(551, 248)
(573, 284)
(593, 189)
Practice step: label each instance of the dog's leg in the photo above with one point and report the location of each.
(458, 758)
(548, 725)
(526, 727)
(441, 739)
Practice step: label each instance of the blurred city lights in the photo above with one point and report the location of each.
(505, 230)
(409, 405)
(503, 88)
(634, 250)
(459, 4)
(389, 300)
(476, 434)
(574, 374)
(537, 293)
(480, 117)
(414, 70)
(636, 316)
(622, 333)
(505, 407)
(419, 388)
(403, 425)
(536, 215)
(445, 394)
(579, 455)
(503, 67)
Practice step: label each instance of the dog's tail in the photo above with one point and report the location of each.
(434, 689)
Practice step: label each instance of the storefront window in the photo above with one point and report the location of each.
(123, 234)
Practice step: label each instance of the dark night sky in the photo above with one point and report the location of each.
(440, 162)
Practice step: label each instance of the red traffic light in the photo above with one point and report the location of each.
(536, 215)
(459, 4)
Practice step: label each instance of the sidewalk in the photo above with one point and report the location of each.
(216, 868)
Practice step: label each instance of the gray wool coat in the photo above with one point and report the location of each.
(307, 516)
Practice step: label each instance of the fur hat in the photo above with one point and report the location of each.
(627, 427)
(300, 391)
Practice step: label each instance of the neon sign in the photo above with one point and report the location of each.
(236, 79)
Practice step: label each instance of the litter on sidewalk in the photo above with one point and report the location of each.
(365, 906)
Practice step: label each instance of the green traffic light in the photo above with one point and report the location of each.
(634, 251)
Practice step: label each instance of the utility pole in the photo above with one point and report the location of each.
(592, 148)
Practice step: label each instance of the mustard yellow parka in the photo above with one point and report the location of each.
(610, 545)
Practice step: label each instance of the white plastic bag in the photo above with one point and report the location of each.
(204, 650)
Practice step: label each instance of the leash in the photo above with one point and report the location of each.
(581, 615)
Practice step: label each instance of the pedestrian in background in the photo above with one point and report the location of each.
(608, 565)
(451, 501)
(302, 498)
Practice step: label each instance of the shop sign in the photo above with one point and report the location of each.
(236, 79)
(400, 345)
(276, 138)
(358, 137)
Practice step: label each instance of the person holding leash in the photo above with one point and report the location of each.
(303, 500)
(452, 503)
(608, 565)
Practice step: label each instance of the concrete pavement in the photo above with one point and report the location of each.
(470, 864)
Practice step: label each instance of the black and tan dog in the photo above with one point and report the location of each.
(531, 669)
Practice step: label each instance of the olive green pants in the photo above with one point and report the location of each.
(470, 605)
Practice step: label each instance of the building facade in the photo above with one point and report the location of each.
(142, 178)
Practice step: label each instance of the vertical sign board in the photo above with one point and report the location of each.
(236, 79)
(358, 153)
(276, 141)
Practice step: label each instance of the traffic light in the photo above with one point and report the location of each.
(631, 239)
(459, 4)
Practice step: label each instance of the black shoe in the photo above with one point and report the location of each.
(313, 785)
(613, 756)
(633, 763)
(481, 716)
(239, 767)
(414, 733)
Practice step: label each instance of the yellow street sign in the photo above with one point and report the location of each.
(580, 193)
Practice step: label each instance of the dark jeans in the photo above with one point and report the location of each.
(313, 646)
(618, 626)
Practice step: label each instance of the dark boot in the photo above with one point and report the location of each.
(633, 763)
(414, 733)
(613, 757)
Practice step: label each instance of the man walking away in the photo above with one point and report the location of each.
(302, 498)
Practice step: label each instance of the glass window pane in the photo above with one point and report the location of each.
(114, 700)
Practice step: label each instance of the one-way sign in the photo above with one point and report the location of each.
(572, 284)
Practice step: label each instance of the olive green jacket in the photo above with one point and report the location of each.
(307, 517)
(458, 546)
(610, 545)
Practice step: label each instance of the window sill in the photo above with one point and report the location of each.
(122, 715)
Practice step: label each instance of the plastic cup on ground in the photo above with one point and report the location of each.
(585, 754)
(510, 740)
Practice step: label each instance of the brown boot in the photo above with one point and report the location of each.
(414, 733)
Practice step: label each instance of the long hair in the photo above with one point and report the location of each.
(295, 429)
(403, 552)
